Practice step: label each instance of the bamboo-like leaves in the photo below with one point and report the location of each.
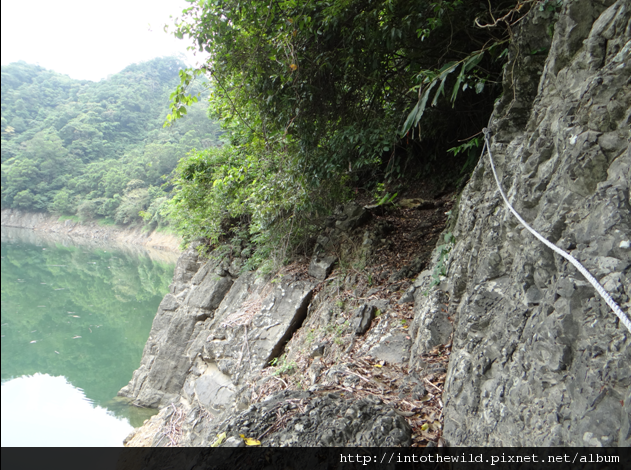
(440, 78)
(417, 113)
(467, 65)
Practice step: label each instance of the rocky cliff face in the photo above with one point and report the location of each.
(538, 357)
(200, 347)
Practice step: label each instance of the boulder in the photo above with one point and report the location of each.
(362, 318)
(321, 266)
(352, 215)
(314, 420)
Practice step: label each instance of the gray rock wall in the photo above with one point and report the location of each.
(206, 341)
(538, 357)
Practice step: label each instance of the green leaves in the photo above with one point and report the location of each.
(430, 79)
(417, 112)
(179, 98)
(467, 65)
(224, 183)
(312, 96)
(442, 76)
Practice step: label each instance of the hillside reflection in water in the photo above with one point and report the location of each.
(75, 319)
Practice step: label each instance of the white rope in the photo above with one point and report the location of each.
(603, 293)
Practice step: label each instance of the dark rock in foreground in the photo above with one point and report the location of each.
(305, 419)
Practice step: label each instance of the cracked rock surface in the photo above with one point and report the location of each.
(538, 358)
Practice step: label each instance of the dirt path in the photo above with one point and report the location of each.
(406, 238)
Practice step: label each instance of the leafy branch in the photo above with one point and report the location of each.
(432, 78)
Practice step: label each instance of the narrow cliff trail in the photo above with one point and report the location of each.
(402, 237)
(354, 346)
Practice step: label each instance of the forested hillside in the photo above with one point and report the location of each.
(97, 150)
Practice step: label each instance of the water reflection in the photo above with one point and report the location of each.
(76, 312)
(45, 409)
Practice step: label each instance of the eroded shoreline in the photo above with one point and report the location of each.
(91, 232)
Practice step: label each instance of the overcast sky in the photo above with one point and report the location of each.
(89, 39)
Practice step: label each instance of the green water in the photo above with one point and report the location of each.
(75, 320)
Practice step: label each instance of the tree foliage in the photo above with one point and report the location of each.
(316, 95)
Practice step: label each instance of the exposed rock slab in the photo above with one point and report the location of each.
(392, 348)
(165, 364)
(431, 325)
(321, 266)
(212, 333)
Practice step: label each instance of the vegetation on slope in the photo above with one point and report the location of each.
(319, 101)
(97, 150)
(322, 99)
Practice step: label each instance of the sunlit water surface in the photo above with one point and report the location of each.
(75, 319)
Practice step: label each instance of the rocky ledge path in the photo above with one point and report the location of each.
(329, 351)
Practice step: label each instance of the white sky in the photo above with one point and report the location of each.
(89, 39)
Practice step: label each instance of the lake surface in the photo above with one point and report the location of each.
(75, 319)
